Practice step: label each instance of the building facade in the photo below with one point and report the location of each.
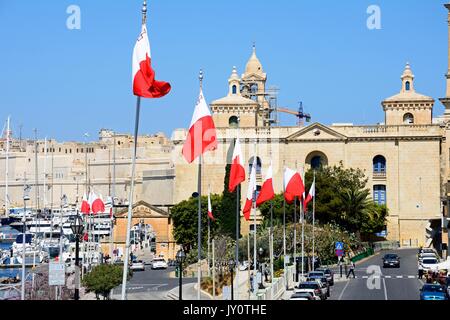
(406, 159)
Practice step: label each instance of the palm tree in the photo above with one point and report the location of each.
(356, 205)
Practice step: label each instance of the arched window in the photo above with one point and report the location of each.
(408, 118)
(408, 85)
(233, 122)
(379, 164)
(258, 165)
(316, 160)
(234, 89)
(379, 194)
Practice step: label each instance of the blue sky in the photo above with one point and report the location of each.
(68, 82)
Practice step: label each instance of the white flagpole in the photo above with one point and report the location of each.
(199, 243)
(284, 226)
(7, 168)
(209, 234)
(255, 163)
(45, 173)
(314, 218)
(303, 231)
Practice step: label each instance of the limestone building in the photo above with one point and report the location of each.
(406, 159)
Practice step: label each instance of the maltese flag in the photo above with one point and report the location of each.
(267, 193)
(144, 83)
(293, 185)
(97, 204)
(202, 135)
(237, 173)
(85, 206)
(311, 195)
(251, 192)
(210, 212)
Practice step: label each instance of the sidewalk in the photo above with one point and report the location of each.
(189, 293)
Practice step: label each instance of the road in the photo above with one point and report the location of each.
(150, 284)
(375, 283)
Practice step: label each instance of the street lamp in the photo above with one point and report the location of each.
(26, 197)
(231, 265)
(261, 251)
(181, 257)
(77, 229)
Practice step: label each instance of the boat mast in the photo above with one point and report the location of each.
(45, 173)
(36, 173)
(7, 169)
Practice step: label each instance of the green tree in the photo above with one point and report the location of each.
(185, 220)
(227, 217)
(103, 278)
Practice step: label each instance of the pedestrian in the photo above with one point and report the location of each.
(352, 270)
(420, 271)
(251, 282)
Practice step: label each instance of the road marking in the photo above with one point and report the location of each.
(411, 277)
(399, 277)
(365, 277)
(343, 290)
(385, 290)
(388, 277)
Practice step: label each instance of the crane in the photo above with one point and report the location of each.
(300, 114)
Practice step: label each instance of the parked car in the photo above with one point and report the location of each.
(428, 255)
(302, 296)
(138, 266)
(159, 263)
(325, 286)
(311, 287)
(328, 273)
(429, 264)
(391, 261)
(316, 274)
(433, 292)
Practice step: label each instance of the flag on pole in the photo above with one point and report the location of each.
(202, 135)
(294, 186)
(210, 212)
(85, 206)
(267, 193)
(144, 83)
(97, 204)
(311, 195)
(251, 192)
(237, 173)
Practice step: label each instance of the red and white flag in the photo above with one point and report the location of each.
(293, 185)
(202, 136)
(267, 193)
(144, 83)
(210, 212)
(251, 192)
(85, 206)
(311, 195)
(97, 204)
(237, 173)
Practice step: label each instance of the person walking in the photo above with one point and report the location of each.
(420, 271)
(352, 270)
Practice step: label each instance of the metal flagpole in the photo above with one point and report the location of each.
(255, 163)
(238, 220)
(36, 170)
(45, 172)
(130, 202)
(303, 233)
(295, 230)
(314, 219)
(209, 243)
(214, 269)
(284, 227)
(199, 242)
(7, 168)
(271, 246)
(113, 195)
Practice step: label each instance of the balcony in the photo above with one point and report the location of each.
(379, 175)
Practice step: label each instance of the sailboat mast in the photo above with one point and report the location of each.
(7, 168)
(45, 173)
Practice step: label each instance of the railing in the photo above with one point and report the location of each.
(385, 245)
(379, 175)
(276, 290)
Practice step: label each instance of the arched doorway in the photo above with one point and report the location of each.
(316, 160)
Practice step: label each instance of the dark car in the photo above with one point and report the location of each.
(329, 274)
(433, 292)
(391, 261)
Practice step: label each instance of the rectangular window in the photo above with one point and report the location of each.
(379, 194)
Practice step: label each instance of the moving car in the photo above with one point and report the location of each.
(316, 274)
(329, 274)
(312, 287)
(433, 292)
(302, 296)
(159, 263)
(138, 266)
(391, 261)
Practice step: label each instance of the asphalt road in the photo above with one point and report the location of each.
(375, 283)
(150, 284)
